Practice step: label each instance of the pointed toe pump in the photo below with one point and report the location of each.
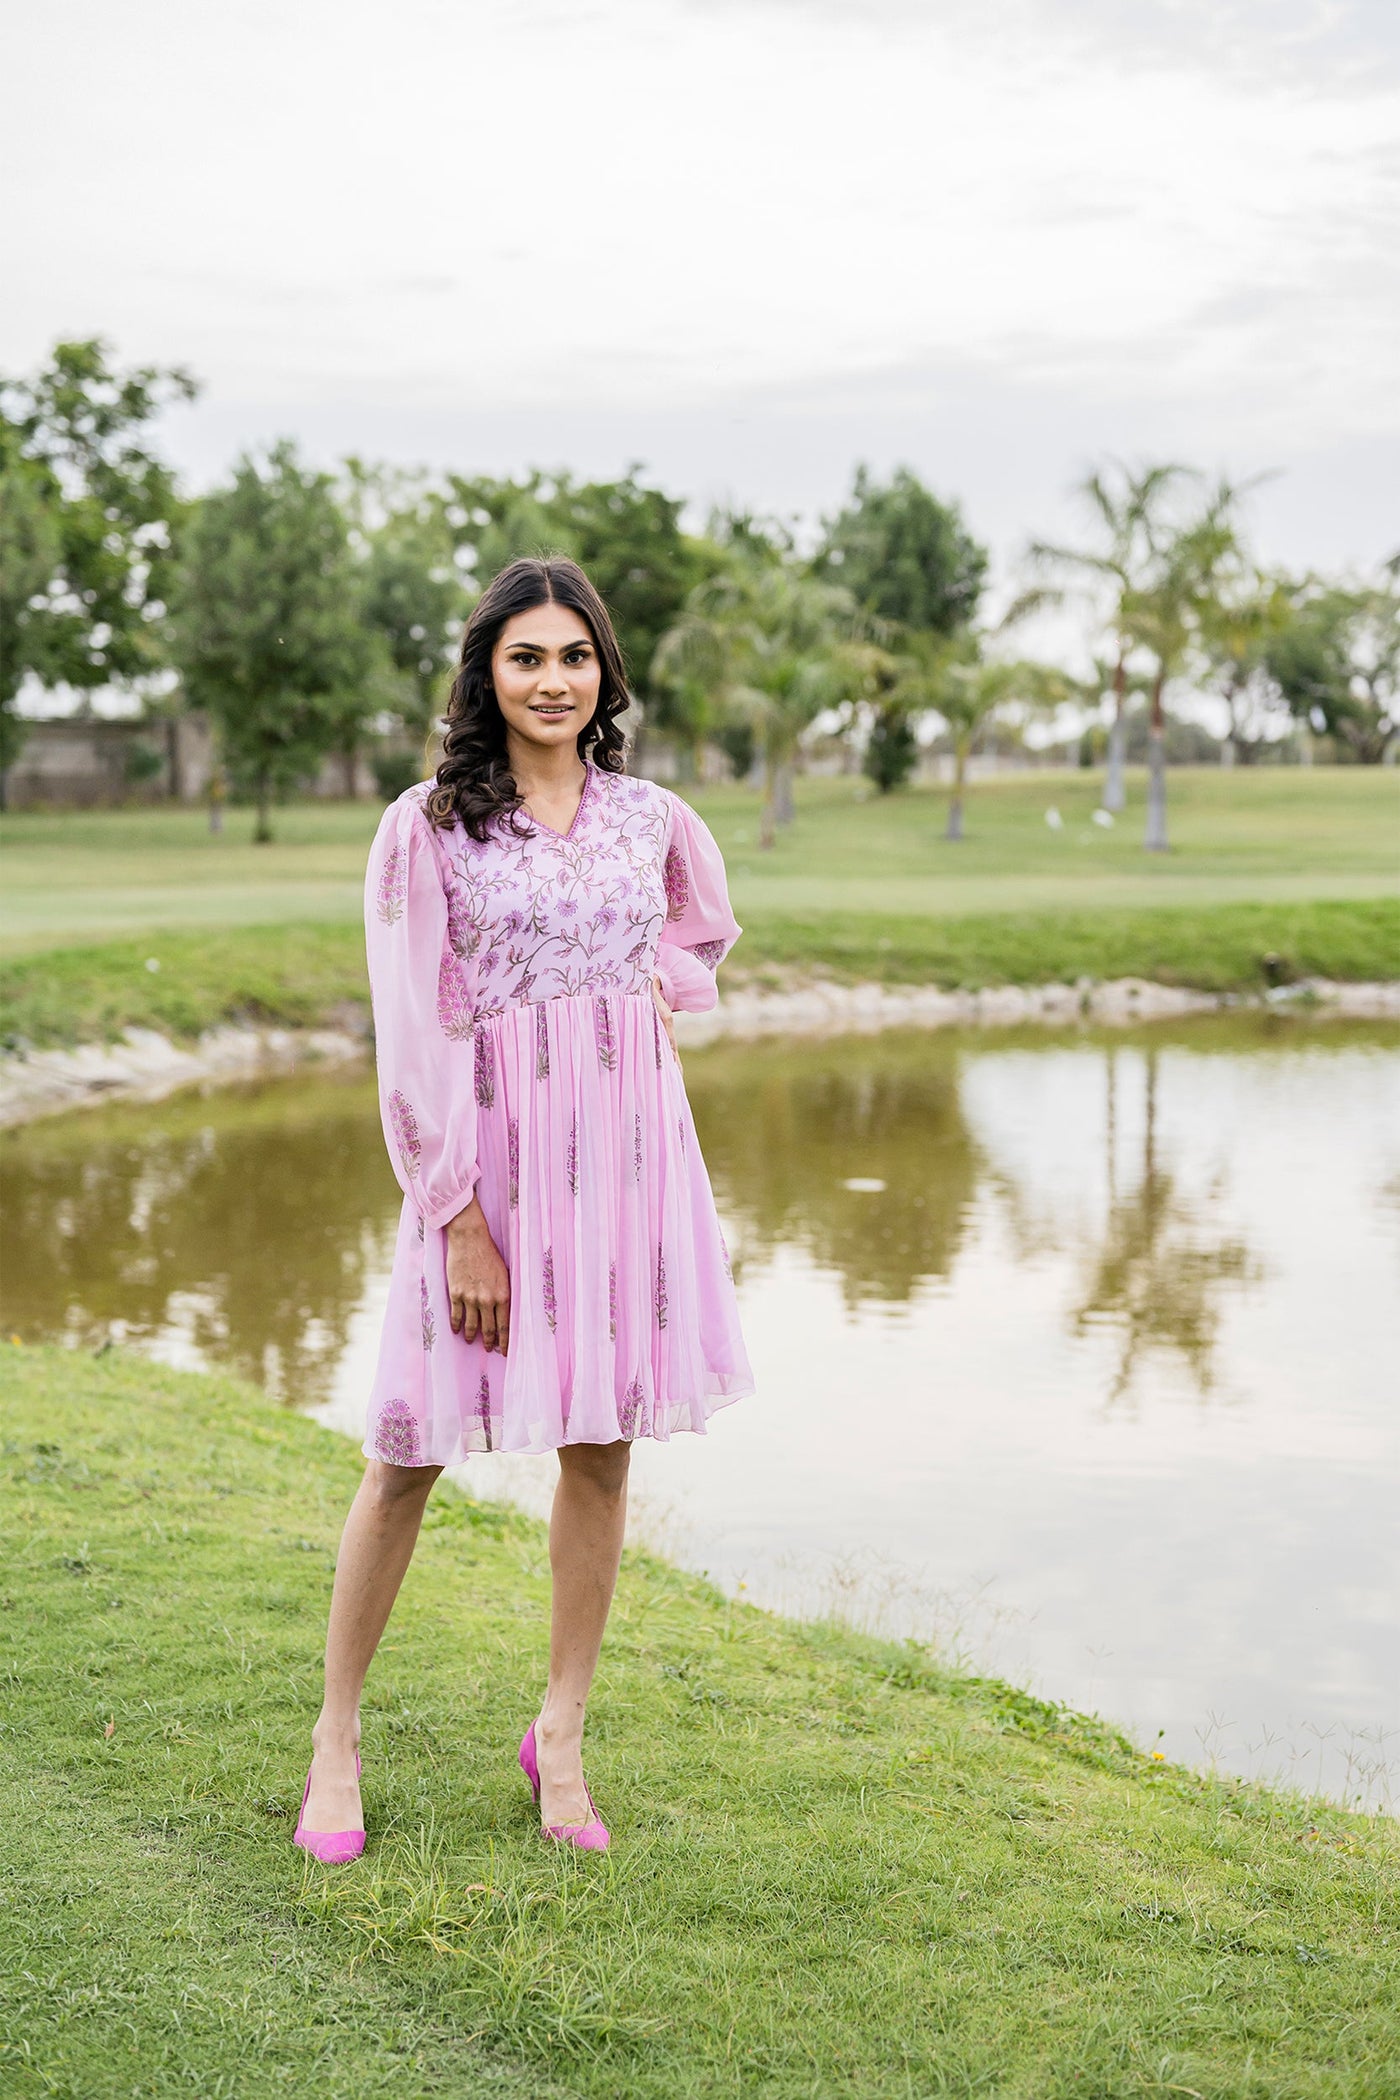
(584, 1837)
(334, 1848)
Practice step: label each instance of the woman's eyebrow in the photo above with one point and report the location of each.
(584, 642)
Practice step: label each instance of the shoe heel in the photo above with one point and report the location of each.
(333, 1848)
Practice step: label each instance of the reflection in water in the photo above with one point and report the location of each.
(238, 1228)
(953, 1255)
(786, 1130)
(1158, 1272)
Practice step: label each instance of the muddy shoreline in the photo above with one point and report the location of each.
(144, 1065)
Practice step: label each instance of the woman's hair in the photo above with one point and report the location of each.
(473, 780)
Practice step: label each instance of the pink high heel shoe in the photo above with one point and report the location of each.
(585, 1837)
(334, 1848)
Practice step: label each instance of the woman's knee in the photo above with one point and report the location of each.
(602, 1467)
(399, 1487)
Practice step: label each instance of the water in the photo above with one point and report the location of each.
(1076, 1355)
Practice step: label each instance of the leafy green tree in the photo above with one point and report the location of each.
(412, 590)
(269, 631)
(903, 555)
(88, 514)
(29, 560)
(626, 535)
(1336, 658)
(891, 750)
(1129, 517)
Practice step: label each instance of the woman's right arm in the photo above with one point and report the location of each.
(422, 993)
(420, 989)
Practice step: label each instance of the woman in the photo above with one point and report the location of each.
(560, 1282)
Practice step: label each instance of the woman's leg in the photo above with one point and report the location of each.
(376, 1547)
(585, 1546)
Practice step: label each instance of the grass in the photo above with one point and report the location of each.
(839, 1868)
(1277, 835)
(1278, 874)
(308, 974)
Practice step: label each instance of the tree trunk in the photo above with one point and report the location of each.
(784, 809)
(1155, 839)
(262, 834)
(348, 758)
(955, 805)
(767, 830)
(1115, 789)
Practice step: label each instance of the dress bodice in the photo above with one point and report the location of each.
(546, 914)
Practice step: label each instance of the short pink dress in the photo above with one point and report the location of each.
(521, 1056)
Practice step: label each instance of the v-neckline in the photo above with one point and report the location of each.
(583, 797)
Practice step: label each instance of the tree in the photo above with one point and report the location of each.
(88, 515)
(1128, 513)
(1163, 617)
(1336, 658)
(903, 555)
(269, 631)
(626, 535)
(411, 590)
(774, 645)
(967, 690)
(1238, 620)
(29, 559)
(892, 748)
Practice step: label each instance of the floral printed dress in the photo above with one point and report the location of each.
(521, 1056)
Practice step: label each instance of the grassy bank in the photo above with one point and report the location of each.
(1284, 835)
(838, 1869)
(302, 975)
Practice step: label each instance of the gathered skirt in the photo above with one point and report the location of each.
(624, 1320)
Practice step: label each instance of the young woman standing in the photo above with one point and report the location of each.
(533, 918)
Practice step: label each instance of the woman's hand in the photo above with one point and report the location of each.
(665, 1012)
(478, 1281)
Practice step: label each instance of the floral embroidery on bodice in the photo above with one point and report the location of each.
(543, 914)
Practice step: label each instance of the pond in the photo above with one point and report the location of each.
(1075, 1354)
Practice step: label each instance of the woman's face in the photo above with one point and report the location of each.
(546, 673)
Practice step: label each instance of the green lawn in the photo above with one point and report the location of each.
(838, 1868)
(1276, 874)
(1283, 834)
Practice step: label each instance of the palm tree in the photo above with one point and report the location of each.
(1163, 617)
(1239, 620)
(1127, 509)
(955, 680)
(776, 646)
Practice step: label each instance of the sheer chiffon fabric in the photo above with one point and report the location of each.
(521, 1056)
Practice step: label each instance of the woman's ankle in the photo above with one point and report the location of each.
(560, 1728)
(334, 1735)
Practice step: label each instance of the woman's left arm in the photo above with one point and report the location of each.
(699, 929)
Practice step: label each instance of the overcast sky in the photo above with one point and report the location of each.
(745, 242)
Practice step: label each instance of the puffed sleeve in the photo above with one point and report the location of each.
(422, 992)
(700, 929)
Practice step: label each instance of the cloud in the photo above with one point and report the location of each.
(1336, 44)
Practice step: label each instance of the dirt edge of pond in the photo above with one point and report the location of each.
(144, 1065)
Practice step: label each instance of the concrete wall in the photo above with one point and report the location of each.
(69, 763)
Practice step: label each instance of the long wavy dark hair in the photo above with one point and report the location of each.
(474, 780)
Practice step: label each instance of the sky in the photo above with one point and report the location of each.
(744, 243)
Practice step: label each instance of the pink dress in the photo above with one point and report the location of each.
(521, 1056)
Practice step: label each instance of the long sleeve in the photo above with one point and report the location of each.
(422, 992)
(700, 928)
